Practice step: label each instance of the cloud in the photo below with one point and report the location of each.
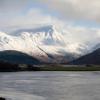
(76, 9)
(34, 17)
(7, 6)
(68, 9)
(82, 34)
(15, 14)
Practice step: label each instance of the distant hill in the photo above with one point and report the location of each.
(17, 57)
(92, 58)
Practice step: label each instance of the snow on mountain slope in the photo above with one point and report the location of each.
(42, 43)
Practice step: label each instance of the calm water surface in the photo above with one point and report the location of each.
(50, 85)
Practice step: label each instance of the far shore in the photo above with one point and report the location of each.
(54, 67)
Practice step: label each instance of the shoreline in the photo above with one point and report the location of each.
(58, 68)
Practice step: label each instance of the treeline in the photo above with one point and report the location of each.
(10, 67)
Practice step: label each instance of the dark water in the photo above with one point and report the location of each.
(50, 85)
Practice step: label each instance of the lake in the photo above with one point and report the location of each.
(50, 85)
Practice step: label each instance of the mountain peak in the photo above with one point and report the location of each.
(52, 28)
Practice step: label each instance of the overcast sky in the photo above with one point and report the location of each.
(79, 16)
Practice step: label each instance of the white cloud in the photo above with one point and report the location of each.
(82, 34)
(33, 18)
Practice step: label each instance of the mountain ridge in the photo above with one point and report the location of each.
(45, 44)
(91, 58)
(17, 57)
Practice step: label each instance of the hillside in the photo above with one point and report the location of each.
(17, 57)
(92, 58)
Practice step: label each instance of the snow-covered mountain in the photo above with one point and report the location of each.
(44, 43)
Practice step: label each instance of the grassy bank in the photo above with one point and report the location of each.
(6, 67)
(69, 68)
